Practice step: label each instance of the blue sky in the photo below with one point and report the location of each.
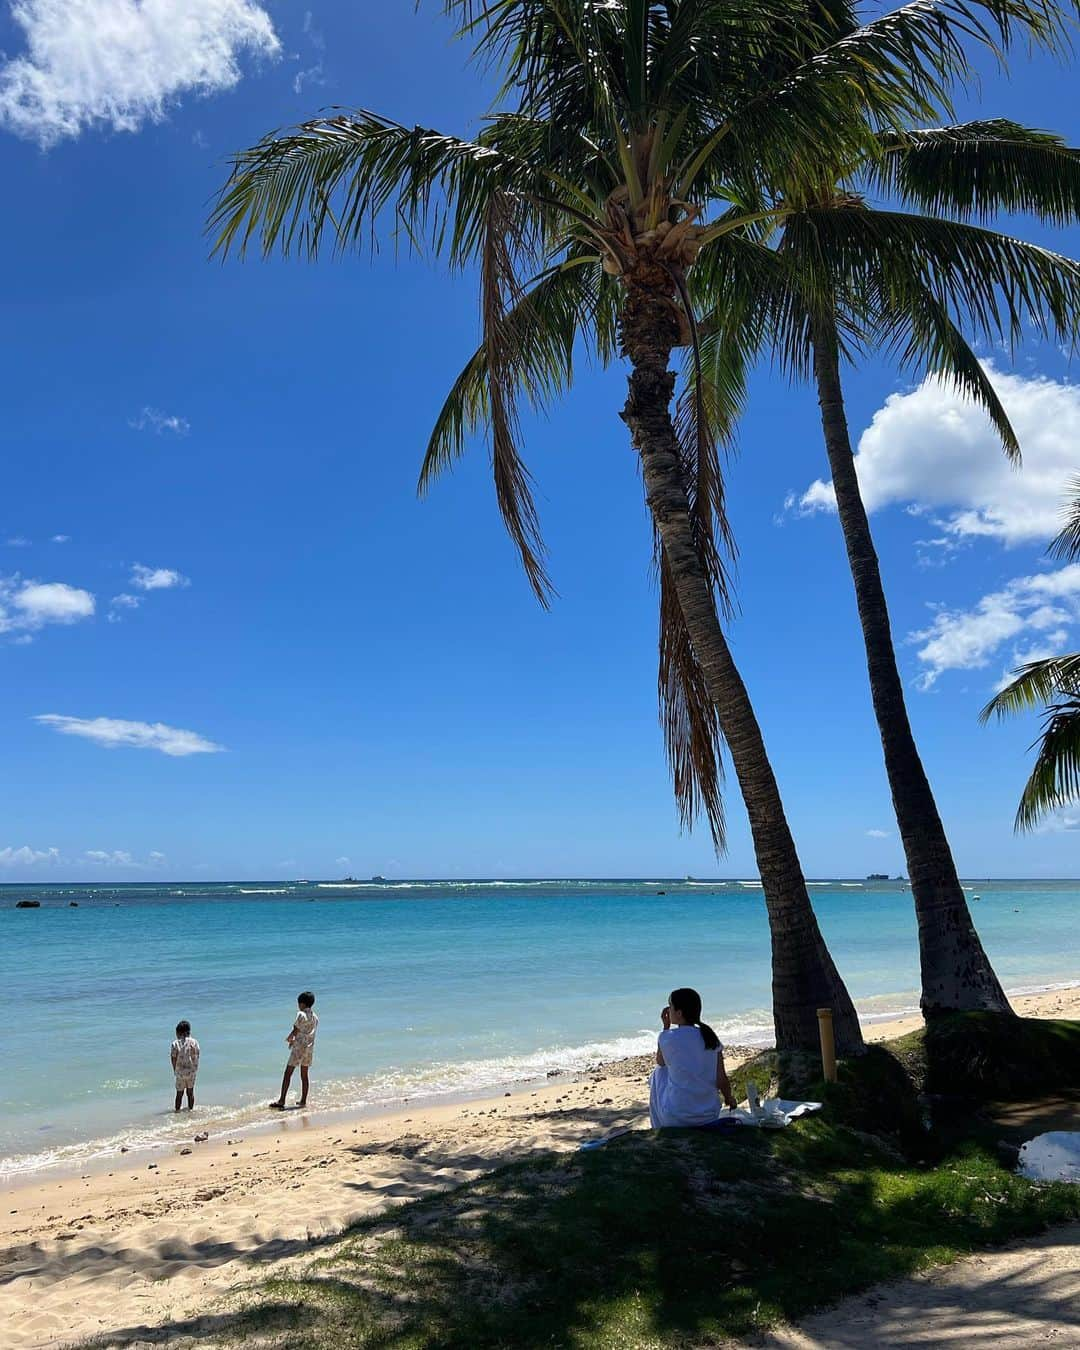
(362, 680)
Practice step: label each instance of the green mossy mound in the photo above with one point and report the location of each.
(992, 1056)
(964, 1060)
(875, 1094)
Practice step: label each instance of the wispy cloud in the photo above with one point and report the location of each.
(61, 539)
(1046, 604)
(313, 34)
(115, 64)
(156, 578)
(27, 606)
(1062, 822)
(313, 75)
(936, 452)
(153, 419)
(25, 856)
(878, 834)
(17, 541)
(114, 733)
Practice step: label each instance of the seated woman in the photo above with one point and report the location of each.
(689, 1078)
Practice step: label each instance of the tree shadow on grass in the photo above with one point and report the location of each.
(675, 1239)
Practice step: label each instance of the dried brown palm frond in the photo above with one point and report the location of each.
(688, 716)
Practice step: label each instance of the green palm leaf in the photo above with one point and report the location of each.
(1067, 544)
(1002, 287)
(1055, 777)
(976, 169)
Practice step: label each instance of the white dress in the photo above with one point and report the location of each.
(186, 1067)
(682, 1090)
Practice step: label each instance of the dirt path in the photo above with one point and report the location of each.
(1020, 1296)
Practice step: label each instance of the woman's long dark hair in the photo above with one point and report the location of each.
(688, 1002)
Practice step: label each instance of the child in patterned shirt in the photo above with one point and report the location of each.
(301, 1043)
(184, 1053)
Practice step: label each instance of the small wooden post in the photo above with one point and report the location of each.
(828, 1044)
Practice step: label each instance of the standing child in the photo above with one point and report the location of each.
(184, 1054)
(301, 1043)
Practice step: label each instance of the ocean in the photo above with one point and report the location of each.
(423, 988)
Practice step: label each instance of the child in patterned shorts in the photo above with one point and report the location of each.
(301, 1043)
(184, 1054)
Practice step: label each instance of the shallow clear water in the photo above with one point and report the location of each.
(421, 987)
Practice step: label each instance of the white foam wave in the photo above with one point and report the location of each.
(369, 1092)
(281, 890)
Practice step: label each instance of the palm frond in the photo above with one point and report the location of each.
(1067, 543)
(1053, 684)
(688, 715)
(499, 294)
(1055, 776)
(1036, 684)
(1002, 287)
(900, 67)
(341, 173)
(570, 302)
(929, 340)
(976, 169)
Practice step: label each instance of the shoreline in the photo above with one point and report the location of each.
(110, 1152)
(88, 1255)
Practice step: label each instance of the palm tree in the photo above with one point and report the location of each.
(844, 276)
(583, 203)
(1054, 685)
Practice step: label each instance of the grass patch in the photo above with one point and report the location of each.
(665, 1240)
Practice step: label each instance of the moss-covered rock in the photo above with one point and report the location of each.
(992, 1056)
(874, 1093)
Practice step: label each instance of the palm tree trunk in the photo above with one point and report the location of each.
(803, 975)
(956, 973)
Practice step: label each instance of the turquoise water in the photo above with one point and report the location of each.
(422, 988)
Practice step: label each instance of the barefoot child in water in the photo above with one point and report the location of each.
(184, 1053)
(301, 1043)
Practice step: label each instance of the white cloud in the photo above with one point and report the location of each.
(1045, 605)
(113, 732)
(313, 34)
(117, 857)
(27, 606)
(156, 578)
(117, 63)
(17, 541)
(27, 857)
(342, 862)
(121, 857)
(152, 419)
(937, 453)
(313, 75)
(1060, 823)
(878, 834)
(61, 539)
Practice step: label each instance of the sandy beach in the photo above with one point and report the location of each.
(115, 1255)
